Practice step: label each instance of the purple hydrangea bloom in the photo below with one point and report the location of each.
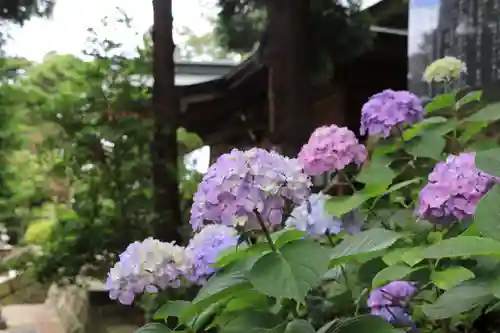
(204, 248)
(241, 183)
(312, 218)
(389, 302)
(388, 110)
(146, 266)
(454, 190)
(331, 148)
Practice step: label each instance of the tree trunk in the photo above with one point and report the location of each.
(166, 117)
(289, 83)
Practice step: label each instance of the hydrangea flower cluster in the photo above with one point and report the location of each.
(389, 110)
(389, 302)
(444, 69)
(241, 183)
(454, 190)
(331, 148)
(204, 248)
(312, 218)
(146, 266)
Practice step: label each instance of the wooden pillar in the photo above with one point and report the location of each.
(289, 73)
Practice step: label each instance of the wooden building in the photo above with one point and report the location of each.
(232, 110)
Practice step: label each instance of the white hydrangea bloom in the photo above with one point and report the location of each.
(444, 69)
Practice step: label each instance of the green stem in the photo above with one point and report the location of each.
(266, 231)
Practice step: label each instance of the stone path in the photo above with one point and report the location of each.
(30, 318)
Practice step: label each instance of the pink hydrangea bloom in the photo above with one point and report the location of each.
(331, 148)
(454, 190)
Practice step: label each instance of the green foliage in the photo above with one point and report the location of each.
(38, 232)
(289, 282)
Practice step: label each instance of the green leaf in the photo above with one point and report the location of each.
(402, 184)
(285, 236)
(340, 205)
(413, 256)
(489, 113)
(462, 246)
(390, 273)
(443, 101)
(254, 322)
(394, 257)
(471, 130)
(377, 171)
(473, 96)
(489, 161)
(299, 326)
(361, 324)
(292, 272)
(153, 328)
(171, 309)
(487, 215)
(459, 299)
(417, 128)
(236, 253)
(223, 285)
(366, 242)
(428, 146)
(451, 277)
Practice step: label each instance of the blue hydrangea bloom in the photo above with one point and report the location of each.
(241, 183)
(312, 218)
(204, 248)
(147, 266)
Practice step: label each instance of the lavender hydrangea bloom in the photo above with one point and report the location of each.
(241, 183)
(390, 109)
(331, 148)
(389, 302)
(454, 190)
(146, 266)
(204, 248)
(312, 218)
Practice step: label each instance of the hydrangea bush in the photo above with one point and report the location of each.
(412, 246)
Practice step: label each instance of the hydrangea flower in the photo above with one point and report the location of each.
(241, 183)
(453, 190)
(389, 110)
(389, 302)
(444, 69)
(312, 218)
(204, 248)
(331, 148)
(146, 266)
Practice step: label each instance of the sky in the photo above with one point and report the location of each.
(66, 31)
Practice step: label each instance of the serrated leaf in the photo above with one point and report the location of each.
(489, 113)
(428, 146)
(440, 102)
(366, 242)
(292, 272)
(451, 277)
(395, 272)
(284, 236)
(340, 205)
(487, 214)
(417, 128)
(462, 246)
(171, 309)
(377, 171)
(489, 161)
(459, 299)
